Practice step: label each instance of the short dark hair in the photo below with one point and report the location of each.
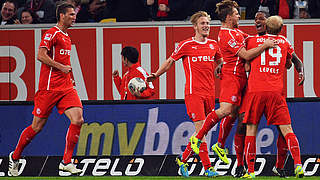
(35, 17)
(266, 14)
(225, 8)
(62, 8)
(130, 53)
(13, 2)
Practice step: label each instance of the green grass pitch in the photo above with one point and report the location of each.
(144, 178)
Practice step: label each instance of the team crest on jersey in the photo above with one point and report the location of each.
(47, 37)
(211, 46)
(193, 115)
(232, 43)
(38, 111)
(234, 98)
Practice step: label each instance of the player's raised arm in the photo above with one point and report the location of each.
(44, 58)
(299, 67)
(254, 52)
(163, 68)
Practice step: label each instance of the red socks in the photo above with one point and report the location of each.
(293, 145)
(187, 153)
(239, 147)
(226, 125)
(71, 141)
(25, 138)
(282, 152)
(211, 120)
(204, 156)
(250, 149)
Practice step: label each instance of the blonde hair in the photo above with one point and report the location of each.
(194, 18)
(274, 25)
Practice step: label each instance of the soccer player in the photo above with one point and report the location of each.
(260, 23)
(233, 80)
(55, 89)
(129, 56)
(198, 54)
(265, 94)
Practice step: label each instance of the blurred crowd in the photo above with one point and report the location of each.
(43, 11)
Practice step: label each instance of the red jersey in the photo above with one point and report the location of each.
(230, 42)
(122, 84)
(198, 63)
(267, 69)
(58, 45)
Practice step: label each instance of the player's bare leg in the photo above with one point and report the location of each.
(25, 138)
(293, 146)
(76, 119)
(211, 120)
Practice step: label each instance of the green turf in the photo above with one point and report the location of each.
(143, 177)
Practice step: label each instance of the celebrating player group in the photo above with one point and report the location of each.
(251, 69)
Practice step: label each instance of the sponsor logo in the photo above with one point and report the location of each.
(232, 43)
(108, 166)
(202, 58)
(194, 47)
(47, 37)
(65, 52)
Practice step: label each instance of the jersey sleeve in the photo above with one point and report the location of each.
(178, 52)
(290, 50)
(47, 40)
(235, 42)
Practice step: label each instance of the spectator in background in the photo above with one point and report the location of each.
(76, 4)
(130, 10)
(129, 57)
(300, 9)
(283, 8)
(92, 11)
(8, 11)
(45, 9)
(28, 17)
(313, 8)
(172, 10)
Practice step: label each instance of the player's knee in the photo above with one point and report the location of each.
(79, 121)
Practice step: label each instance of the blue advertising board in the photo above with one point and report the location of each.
(142, 129)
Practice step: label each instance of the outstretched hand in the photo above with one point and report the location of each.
(151, 77)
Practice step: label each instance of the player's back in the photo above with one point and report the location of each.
(230, 42)
(267, 69)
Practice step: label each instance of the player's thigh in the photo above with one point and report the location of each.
(44, 101)
(254, 109)
(231, 89)
(70, 99)
(195, 107)
(71, 105)
(276, 111)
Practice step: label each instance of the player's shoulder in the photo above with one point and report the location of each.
(185, 42)
(51, 33)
